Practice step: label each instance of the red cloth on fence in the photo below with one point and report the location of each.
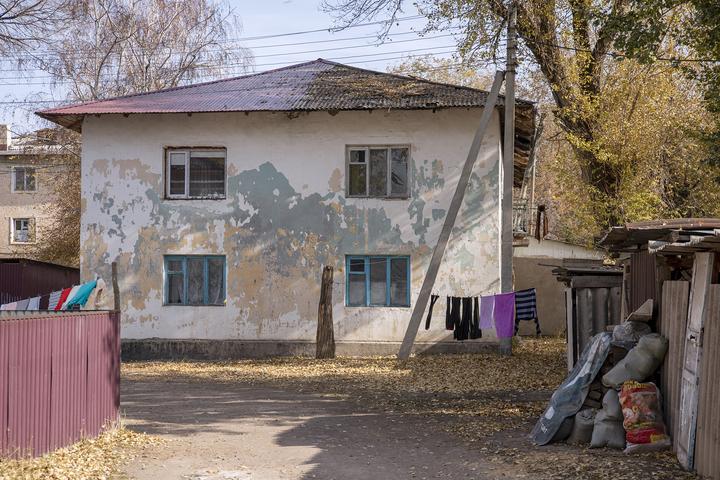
(63, 297)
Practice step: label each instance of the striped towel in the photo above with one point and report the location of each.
(53, 301)
(526, 308)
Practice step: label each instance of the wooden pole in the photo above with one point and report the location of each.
(325, 338)
(115, 287)
(449, 223)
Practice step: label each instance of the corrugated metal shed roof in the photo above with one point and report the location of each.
(310, 86)
(632, 236)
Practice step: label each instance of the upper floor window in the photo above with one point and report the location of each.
(195, 172)
(378, 281)
(22, 230)
(194, 280)
(23, 179)
(379, 172)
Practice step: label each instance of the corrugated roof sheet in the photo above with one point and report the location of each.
(316, 85)
(631, 236)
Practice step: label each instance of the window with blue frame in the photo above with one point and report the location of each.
(377, 281)
(194, 280)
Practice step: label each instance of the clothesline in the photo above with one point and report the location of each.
(468, 316)
(65, 299)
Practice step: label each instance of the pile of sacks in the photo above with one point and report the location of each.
(631, 413)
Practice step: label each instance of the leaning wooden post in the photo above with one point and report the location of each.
(115, 287)
(325, 339)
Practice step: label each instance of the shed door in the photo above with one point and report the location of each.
(702, 273)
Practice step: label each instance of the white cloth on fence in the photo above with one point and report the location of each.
(22, 304)
(70, 296)
(9, 306)
(34, 304)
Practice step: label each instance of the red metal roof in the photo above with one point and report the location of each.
(316, 85)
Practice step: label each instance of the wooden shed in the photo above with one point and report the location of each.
(677, 262)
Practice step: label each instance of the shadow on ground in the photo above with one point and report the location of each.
(265, 433)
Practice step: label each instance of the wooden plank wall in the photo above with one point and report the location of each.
(707, 442)
(672, 325)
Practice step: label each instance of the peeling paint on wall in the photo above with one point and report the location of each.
(284, 216)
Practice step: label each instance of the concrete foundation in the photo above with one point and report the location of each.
(171, 349)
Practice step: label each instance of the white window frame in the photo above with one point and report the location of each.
(388, 186)
(14, 179)
(31, 234)
(187, 153)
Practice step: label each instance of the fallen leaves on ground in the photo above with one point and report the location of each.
(486, 399)
(89, 459)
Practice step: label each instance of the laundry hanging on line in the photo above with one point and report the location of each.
(433, 299)
(526, 309)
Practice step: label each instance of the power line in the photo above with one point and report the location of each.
(38, 77)
(180, 52)
(288, 34)
(276, 63)
(624, 56)
(443, 67)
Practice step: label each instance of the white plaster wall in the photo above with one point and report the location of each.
(126, 219)
(555, 249)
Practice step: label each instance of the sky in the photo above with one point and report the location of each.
(283, 20)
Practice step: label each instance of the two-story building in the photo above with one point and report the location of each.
(26, 193)
(221, 202)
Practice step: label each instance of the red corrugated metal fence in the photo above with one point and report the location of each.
(59, 379)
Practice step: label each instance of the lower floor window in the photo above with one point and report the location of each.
(194, 280)
(377, 281)
(23, 230)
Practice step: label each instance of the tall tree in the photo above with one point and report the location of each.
(26, 24)
(570, 42)
(121, 47)
(692, 27)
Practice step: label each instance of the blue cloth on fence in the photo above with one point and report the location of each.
(81, 295)
(22, 304)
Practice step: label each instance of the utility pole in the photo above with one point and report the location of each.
(506, 201)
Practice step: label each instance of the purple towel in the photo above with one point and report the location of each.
(505, 315)
(487, 311)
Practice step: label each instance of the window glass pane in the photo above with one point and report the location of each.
(196, 280)
(378, 281)
(378, 173)
(177, 179)
(207, 174)
(398, 281)
(357, 265)
(357, 179)
(399, 159)
(357, 156)
(175, 289)
(21, 230)
(216, 280)
(175, 266)
(356, 290)
(19, 179)
(30, 179)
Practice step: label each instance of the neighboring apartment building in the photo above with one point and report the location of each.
(221, 202)
(26, 194)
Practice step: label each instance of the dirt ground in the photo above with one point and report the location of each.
(458, 417)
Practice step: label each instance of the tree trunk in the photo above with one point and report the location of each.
(325, 339)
